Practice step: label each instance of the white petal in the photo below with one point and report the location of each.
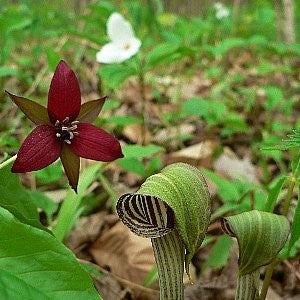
(112, 53)
(118, 29)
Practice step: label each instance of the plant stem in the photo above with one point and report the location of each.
(284, 212)
(8, 161)
(267, 280)
(169, 257)
(248, 286)
(143, 98)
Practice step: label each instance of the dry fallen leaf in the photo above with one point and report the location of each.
(198, 154)
(165, 135)
(126, 254)
(231, 166)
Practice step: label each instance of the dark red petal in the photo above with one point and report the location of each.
(40, 149)
(64, 94)
(71, 163)
(35, 112)
(90, 110)
(95, 143)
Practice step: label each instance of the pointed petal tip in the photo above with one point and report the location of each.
(74, 188)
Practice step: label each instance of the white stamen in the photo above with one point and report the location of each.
(67, 141)
(64, 128)
(76, 133)
(56, 123)
(58, 134)
(66, 119)
(74, 122)
(71, 135)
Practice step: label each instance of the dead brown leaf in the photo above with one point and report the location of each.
(198, 154)
(126, 254)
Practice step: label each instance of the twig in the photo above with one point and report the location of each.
(122, 281)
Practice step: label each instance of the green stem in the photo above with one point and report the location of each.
(267, 280)
(143, 98)
(169, 257)
(284, 212)
(248, 286)
(8, 161)
(109, 189)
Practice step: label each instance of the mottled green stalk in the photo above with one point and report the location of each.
(170, 267)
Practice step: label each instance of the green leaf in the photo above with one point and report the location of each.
(274, 193)
(123, 120)
(38, 264)
(219, 254)
(53, 58)
(115, 74)
(16, 199)
(49, 174)
(274, 96)
(132, 164)
(151, 277)
(139, 151)
(161, 53)
(227, 190)
(6, 71)
(260, 235)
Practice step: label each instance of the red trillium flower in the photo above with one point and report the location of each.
(64, 129)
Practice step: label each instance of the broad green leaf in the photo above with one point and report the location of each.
(227, 190)
(160, 53)
(219, 253)
(123, 120)
(17, 200)
(115, 74)
(260, 235)
(12, 287)
(274, 193)
(6, 71)
(49, 174)
(38, 264)
(184, 189)
(139, 151)
(132, 164)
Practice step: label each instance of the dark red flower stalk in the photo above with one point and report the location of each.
(64, 129)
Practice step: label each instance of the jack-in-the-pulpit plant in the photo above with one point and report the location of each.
(173, 209)
(63, 129)
(123, 43)
(260, 235)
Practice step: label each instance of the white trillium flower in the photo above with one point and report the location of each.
(123, 43)
(221, 10)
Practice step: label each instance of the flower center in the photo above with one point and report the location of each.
(126, 46)
(66, 130)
